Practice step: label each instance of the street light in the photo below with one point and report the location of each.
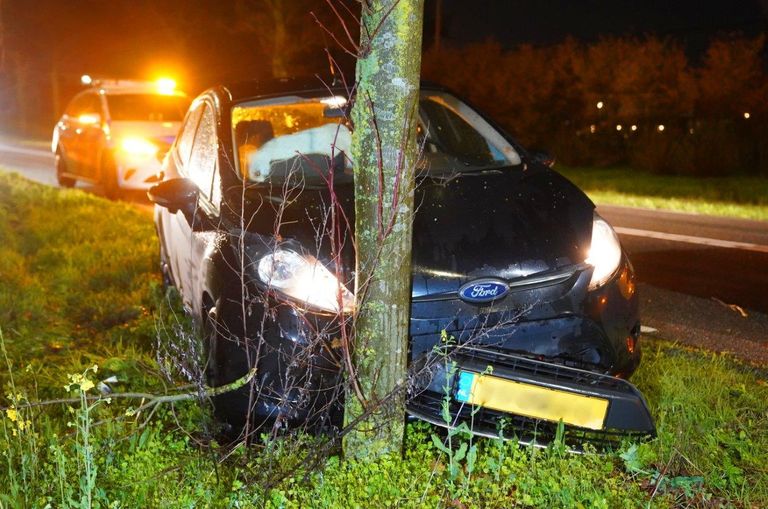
(86, 79)
(600, 105)
(746, 114)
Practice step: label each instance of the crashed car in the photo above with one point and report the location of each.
(524, 306)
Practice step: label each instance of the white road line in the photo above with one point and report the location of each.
(26, 151)
(704, 241)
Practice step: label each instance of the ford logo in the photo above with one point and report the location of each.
(483, 290)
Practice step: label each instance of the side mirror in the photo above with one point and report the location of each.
(542, 157)
(179, 194)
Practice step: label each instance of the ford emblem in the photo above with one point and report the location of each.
(483, 290)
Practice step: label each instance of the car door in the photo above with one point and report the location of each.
(69, 128)
(172, 225)
(192, 236)
(92, 138)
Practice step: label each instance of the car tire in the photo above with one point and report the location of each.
(61, 169)
(229, 408)
(108, 177)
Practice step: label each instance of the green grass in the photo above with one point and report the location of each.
(79, 288)
(743, 197)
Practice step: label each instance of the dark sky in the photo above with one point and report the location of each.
(693, 22)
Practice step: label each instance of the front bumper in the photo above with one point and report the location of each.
(137, 173)
(437, 382)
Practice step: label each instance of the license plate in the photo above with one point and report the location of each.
(531, 400)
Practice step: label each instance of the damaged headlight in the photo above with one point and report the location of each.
(604, 252)
(306, 280)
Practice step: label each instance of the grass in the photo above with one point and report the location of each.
(742, 197)
(79, 289)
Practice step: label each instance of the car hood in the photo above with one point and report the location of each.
(507, 226)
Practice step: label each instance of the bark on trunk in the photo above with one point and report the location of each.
(385, 152)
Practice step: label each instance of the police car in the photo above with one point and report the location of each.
(115, 133)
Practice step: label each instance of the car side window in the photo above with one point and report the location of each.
(187, 134)
(202, 161)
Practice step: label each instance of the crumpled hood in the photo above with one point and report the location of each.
(507, 224)
(502, 225)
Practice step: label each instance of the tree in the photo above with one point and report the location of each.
(284, 32)
(385, 152)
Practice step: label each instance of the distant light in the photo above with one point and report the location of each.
(690, 131)
(86, 79)
(634, 127)
(599, 105)
(166, 85)
(592, 128)
(618, 127)
(336, 101)
(746, 114)
(660, 127)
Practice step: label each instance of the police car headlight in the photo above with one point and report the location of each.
(138, 146)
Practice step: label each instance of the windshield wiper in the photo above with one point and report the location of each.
(448, 176)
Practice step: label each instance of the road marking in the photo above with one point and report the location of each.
(26, 151)
(704, 241)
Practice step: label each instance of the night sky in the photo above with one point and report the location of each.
(548, 21)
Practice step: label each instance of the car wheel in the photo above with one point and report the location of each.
(229, 408)
(61, 169)
(109, 177)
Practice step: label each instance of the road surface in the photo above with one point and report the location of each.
(704, 279)
(709, 257)
(32, 161)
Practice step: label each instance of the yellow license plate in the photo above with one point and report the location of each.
(531, 400)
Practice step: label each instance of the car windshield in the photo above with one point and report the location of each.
(304, 137)
(147, 107)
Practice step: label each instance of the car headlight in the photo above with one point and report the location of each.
(305, 279)
(604, 252)
(138, 146)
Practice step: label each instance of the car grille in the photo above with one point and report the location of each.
(554, 370)
(493, 424)
(427, 405)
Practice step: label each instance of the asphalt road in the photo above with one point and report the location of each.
(32, 161)
(709, 257)
(704, 279)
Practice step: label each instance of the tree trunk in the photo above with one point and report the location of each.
(384, 150)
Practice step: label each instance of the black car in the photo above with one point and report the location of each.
(524, 310)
